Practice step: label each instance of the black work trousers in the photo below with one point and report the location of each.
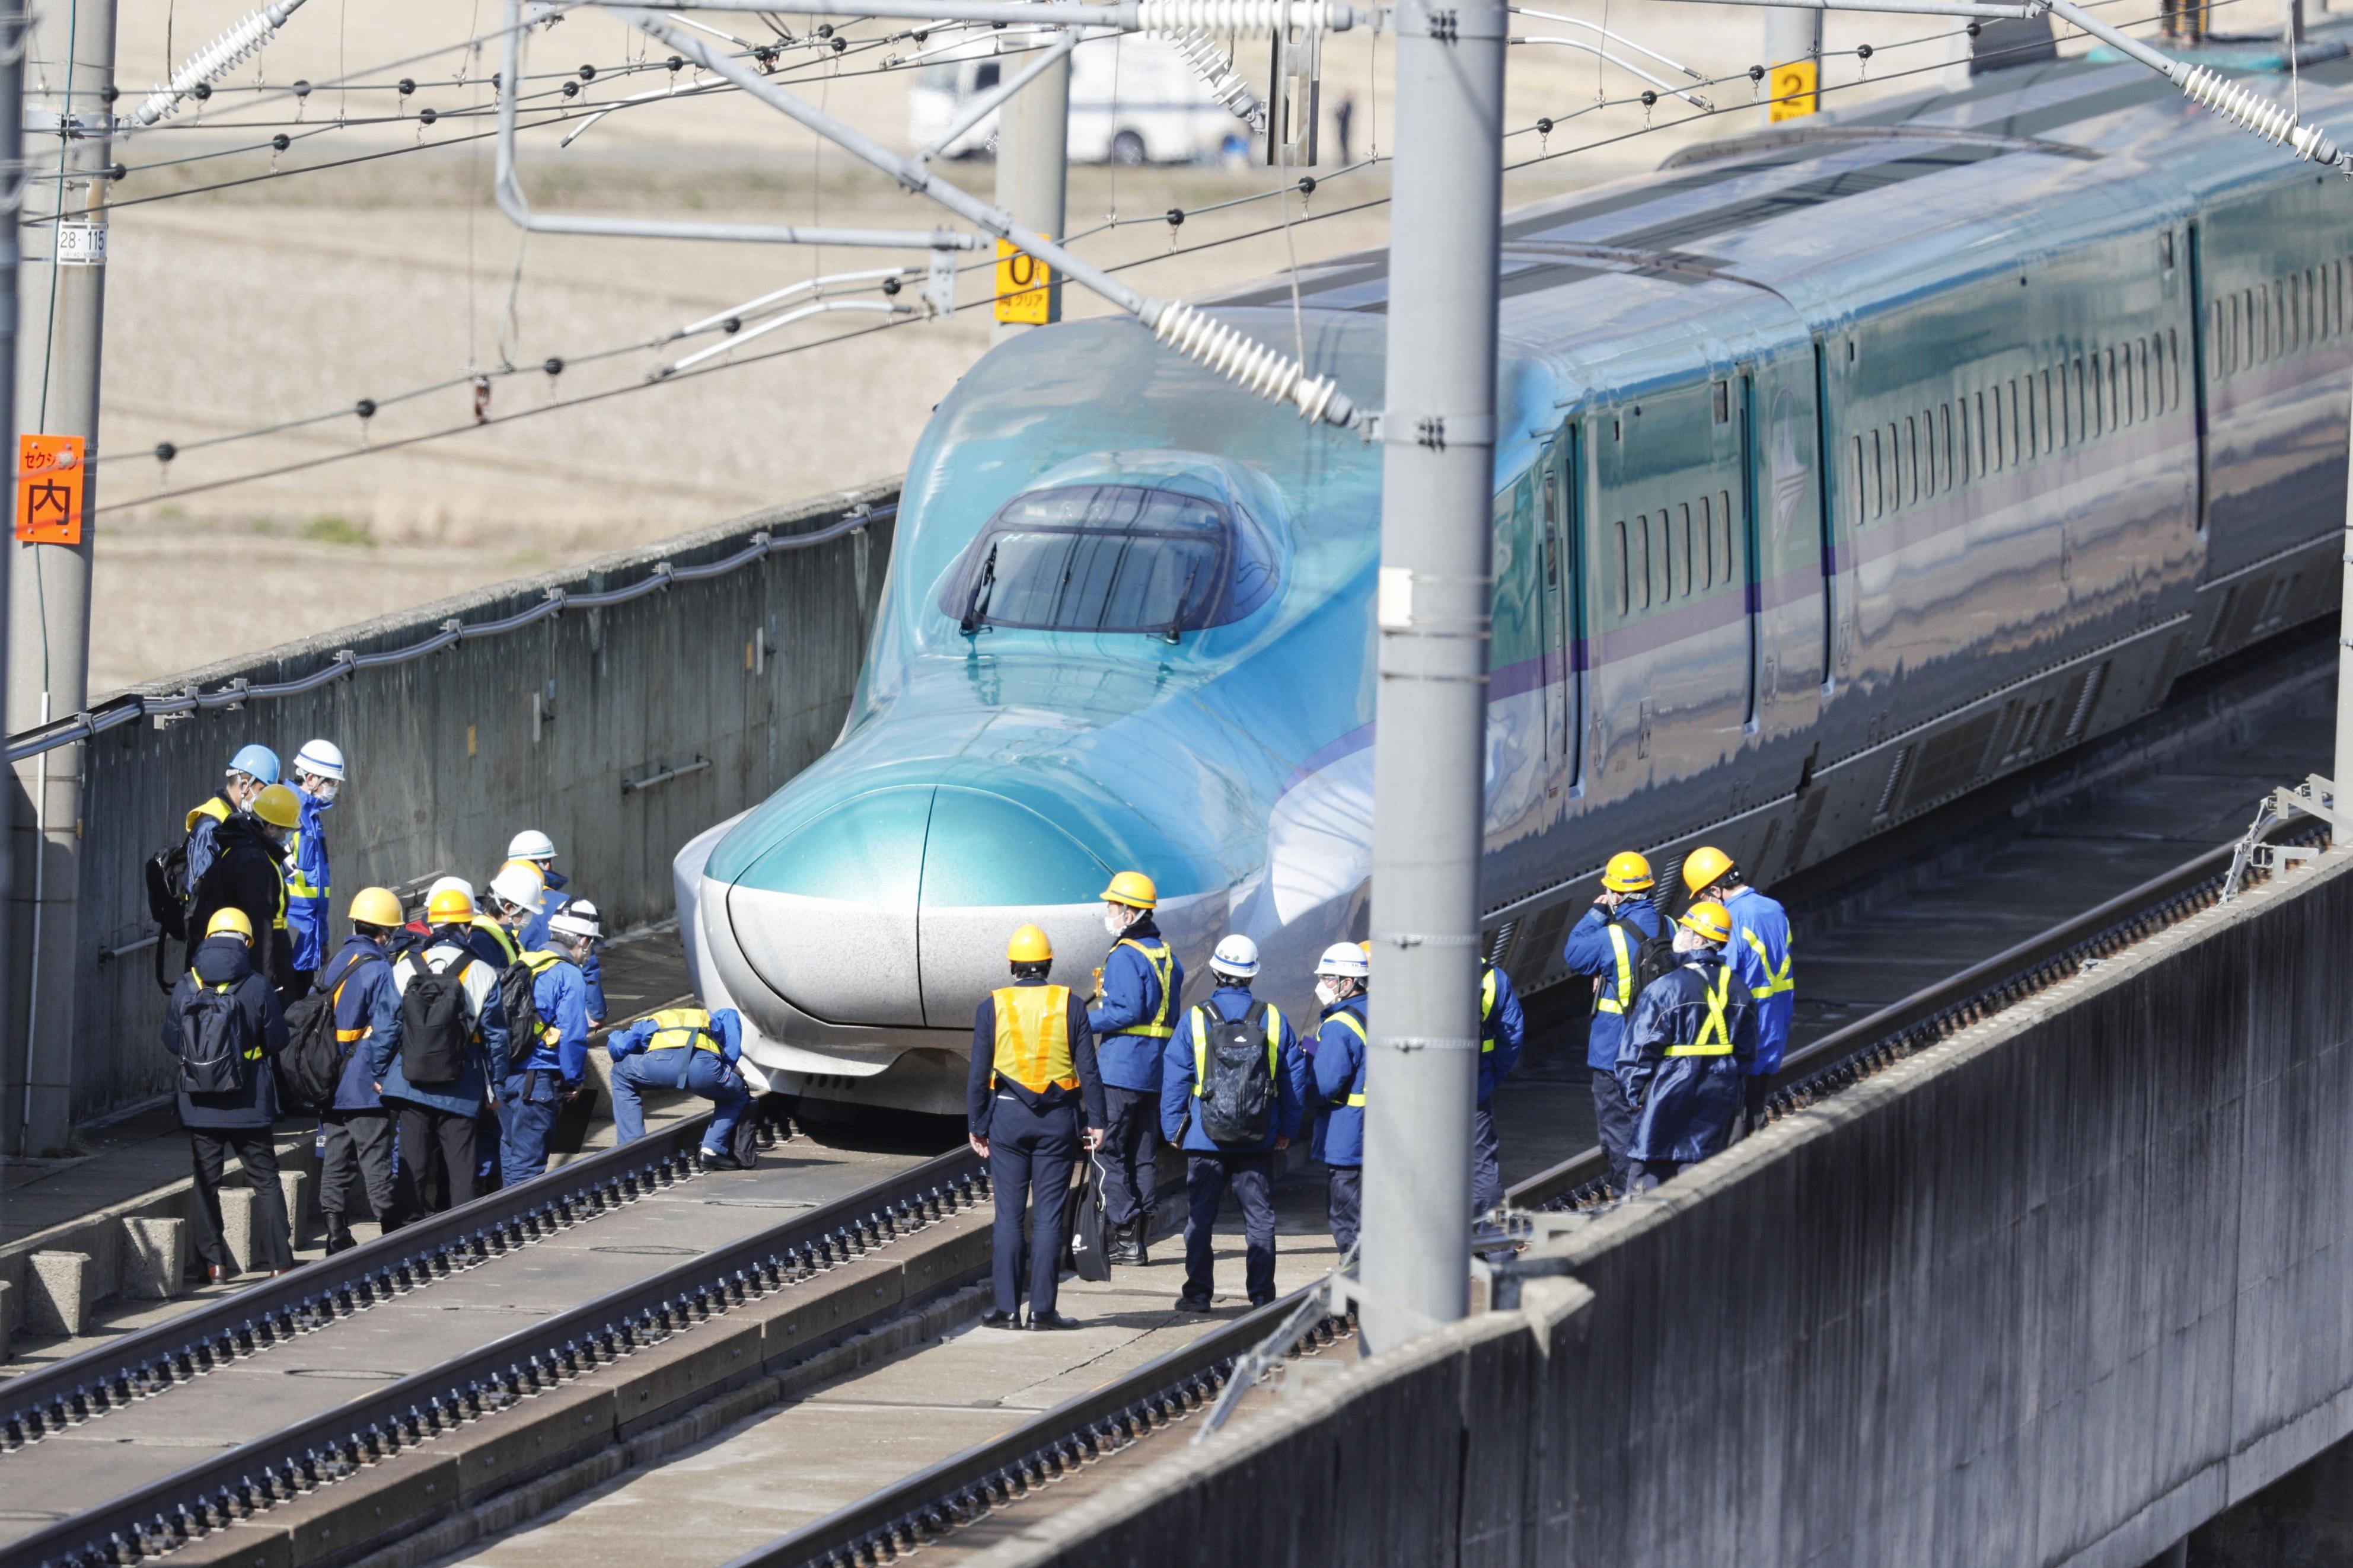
(1251, 1177)
(423, 1129)
(1345, 1202)
(257, 1156)
(1614, 1122)
(359, 1153)
(1030, 1153)
(1130, 1154)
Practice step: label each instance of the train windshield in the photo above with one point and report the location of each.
(1111, 558)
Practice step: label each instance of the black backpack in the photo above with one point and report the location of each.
(1653, 957)
(215, 1038)
(167, 889)
(312, 1065)
(520, 998)
(1235, 1080)
(436, 1034)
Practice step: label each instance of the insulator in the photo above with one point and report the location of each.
(225, 53)
(1252, 365)
(1226, 84)
(2253, 111)
(1255, 18)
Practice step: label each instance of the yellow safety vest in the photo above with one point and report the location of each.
(506, 943)
(1623, 997)
(1163, 965)
(541, 963)
(279, 923)
(1486, 1009)
(1776, 981)
(1715, 1034)
(216, 808)
(292, 870)
(1033, 1037)
(1356, 1100)
(694, 1023)
(1201, 1042)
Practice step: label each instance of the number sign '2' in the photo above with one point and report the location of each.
(1797, 91)
(50, 483)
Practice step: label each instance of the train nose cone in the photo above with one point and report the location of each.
(892, 908)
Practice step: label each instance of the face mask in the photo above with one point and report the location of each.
(324, 790)
(1686, 941)
(1327, 992)
(1114, 922)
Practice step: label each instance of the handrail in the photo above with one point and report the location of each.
(93, 722)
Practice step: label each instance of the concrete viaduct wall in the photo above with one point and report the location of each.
(450, 756)
(2052, 1293)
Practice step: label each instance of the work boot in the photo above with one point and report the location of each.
(1143, 1232)
(1052, 1321)
(339, 1235)
(1126, 1245)
(1194, 1304)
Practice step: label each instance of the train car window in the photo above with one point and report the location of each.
(1111, 558)
(1724, 402)
(2274, 321)
(1857, 508)
(2115, 392)
(2050, 415)
(1625, 577)
(2222, 342)
(1876, 489)
(2132, 384)
(1963, 472)
(1723, 522)
(1551, 526)
(1691, 554)
(2173, 369)
(1642, 567)
(2142, 348)
(1662, 559)
(1707, 536)
(1945, 424)
(1911, 462)
(2077, 410)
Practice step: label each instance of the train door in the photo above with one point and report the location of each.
(2199, 315)
(1742, 389)
(1560, 605)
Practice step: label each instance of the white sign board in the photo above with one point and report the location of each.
(81, 245)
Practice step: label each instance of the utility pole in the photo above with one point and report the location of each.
(68, 93)
(1793, 63)
(1430, 709)
(1033, 165)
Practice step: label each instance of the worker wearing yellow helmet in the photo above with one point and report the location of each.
(248, 873)
(437, 1071)
(225, 1025)
(1760, 949)
(1134, 1017)
(1687, 1052)
(1606, 945)
(355, 1175)
(1032, 1100)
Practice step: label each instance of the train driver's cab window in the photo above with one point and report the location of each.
(1127, 557)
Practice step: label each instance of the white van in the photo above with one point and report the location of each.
(1133, 99)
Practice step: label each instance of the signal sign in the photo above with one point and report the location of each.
(1797, 91)
(1028, 293)
(50, 483)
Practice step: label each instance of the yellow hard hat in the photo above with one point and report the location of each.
(1708, 918)
(231, 921)
(1704, 866)
(1029, 945)
(1366, 948)
(277, 807)
(1628, 873)
(375, 907)
(450, 906)
(1133, 889)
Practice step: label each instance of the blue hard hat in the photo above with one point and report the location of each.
(256, 762)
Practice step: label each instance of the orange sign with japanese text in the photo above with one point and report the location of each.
(50, 483)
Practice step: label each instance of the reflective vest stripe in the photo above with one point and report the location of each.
(691, 1022)
(296, 881)
(1715, 1034)
(1623, 997)
(335, 1005)
(541, 963)
(1776, 981)
(1273, 1023)
(216, 808)
(1486, 1009)
(1033, 1037)
(1163, 963)
(1356, 1101)
(506, 943)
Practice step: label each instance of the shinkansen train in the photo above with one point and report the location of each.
(1842, 467)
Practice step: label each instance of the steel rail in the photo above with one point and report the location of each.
(964, 1487)
(1847, 1054)
(94, 722)
(295, 1460)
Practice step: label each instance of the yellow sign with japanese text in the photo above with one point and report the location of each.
(1027, 292)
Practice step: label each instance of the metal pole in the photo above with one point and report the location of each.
(1793, 62)
(69, 77)
(13, 24)
(1430, 709)
(1033, 171)
(2341, 773)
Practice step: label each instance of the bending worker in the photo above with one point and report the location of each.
(1134, 1017)
(1759, 947)
(1033, 1072)
(685, 1048)
(549, 1065)
(1687, 1052)
(1607, 945)
(1338, 1068)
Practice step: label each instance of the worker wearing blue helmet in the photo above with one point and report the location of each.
(252, 770)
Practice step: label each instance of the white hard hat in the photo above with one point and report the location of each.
(1236, 955)
(321, 759)
(520, 886)
(447, 884)
(531, 844)
(1345, 959)
(577, 918)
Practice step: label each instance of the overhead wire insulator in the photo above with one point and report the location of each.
(1226, 84)
(223, 55)
(2253, 111)
(1251, 365)
(1255, 17)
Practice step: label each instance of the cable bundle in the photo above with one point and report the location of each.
(2255, 112)
(1251, 364)
(223, 55)
(1200, 52)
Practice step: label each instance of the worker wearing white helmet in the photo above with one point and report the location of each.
(318, 780)
(1338, 1068)
(513, 896)
(547, 1000)
(536, 850)
(1232, 1089)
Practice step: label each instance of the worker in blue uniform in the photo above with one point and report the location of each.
(1604, 944)
(1338, 1076)
(1759, 947)
(1502, 1030)
(1188, 1075)
(356, 1128)
(545, 1070)
(685, 1048)
(1033, 1077)
(318, 778)
(1134, 1016)
(1689, 1046)
(536, 851)
(252, 770)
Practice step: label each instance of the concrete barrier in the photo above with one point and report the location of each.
(750, 673)
(2055, 1292)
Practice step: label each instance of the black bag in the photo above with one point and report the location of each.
(312, 1065)
(1087, 1253)
(435, 1032)
(518, 997)
(1653, 957)
(1237, 1092)
(214, 1035)
(167, 889)
(570, 1134)
(744, 1144)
